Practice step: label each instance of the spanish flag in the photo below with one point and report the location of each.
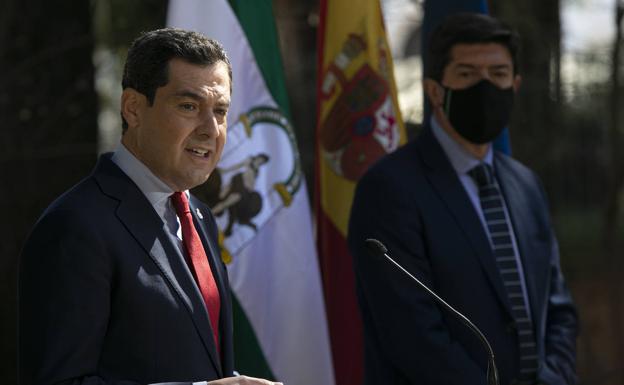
(358, 122)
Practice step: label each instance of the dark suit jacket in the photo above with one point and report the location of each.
(106, 298)
(414, 203)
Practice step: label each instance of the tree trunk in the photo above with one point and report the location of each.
(535, 123)
(297, 24)
(49, 129)
(614, 191)
(615, 138)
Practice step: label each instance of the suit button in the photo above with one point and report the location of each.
(511, 327)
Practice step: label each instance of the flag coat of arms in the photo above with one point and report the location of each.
(359, 121)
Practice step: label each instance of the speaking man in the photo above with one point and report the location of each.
(121, 280)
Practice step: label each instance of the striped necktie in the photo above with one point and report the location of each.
(499, 229)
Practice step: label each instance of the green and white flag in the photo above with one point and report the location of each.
(258, 195)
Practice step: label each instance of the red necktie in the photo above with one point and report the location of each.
(199, 261)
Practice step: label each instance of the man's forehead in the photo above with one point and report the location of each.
(187, 77)
(480, 54)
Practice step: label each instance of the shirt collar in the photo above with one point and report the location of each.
(155, 190)
(461, 160)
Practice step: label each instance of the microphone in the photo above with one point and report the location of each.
(378, 248)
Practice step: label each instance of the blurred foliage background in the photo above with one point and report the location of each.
(60, 65)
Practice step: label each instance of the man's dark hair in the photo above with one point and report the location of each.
(467, 28)
(147, 64)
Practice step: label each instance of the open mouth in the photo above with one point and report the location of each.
(198, 152)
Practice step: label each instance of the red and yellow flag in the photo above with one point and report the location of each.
(358, 122)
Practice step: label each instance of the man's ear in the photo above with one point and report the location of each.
(132, 104)
(434, 91)
(517, 82)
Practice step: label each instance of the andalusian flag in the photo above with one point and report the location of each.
(259, 196)
(435, 12)
(358, 122)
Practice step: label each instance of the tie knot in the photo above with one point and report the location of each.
(180, 202)
(482, 174)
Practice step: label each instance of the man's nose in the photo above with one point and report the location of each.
(484, 74)
(208, 125)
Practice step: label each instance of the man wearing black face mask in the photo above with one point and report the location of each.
(472, 223)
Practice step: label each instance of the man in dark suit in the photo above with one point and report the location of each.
(121, 280)
(472, 224)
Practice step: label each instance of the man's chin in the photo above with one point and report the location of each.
(195, 181)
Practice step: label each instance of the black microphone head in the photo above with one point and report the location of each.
(376, 247)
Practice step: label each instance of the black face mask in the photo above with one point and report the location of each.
(479, 113)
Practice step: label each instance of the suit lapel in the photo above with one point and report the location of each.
(142, 221)
(449, 188)
(535, 269)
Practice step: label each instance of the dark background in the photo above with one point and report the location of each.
(570, 133)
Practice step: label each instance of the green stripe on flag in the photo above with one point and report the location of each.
(248, 357)
(256, 19)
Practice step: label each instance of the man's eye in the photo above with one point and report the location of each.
(221, 111)
(187, 106)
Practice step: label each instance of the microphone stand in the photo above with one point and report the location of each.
(378, 248)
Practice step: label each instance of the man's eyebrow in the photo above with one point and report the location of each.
(188, 94)
(493, 66)
(500, 66)
(465, 66)
(199, 97)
